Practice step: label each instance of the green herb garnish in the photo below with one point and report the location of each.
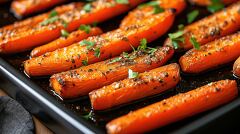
(176, 38)
(53, 13)
(115, 60)
(97, 52)
(132, 74)
(87, 7)
(122, 1)
(192, 16)
(89, 44)
(49, 21)
(85, 28)
(156, 6)
(87, 116)
(64, 33)
(85, 62)
(94, 24)
(194, 42)
(215, 6)
(143, 44)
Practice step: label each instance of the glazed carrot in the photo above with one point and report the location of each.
(236, 67)
(175, 108)
(37, 19)
(99, 48)
(26, 7)
(210, 28)
(209, 2)
(146, 84)
(144, 10)
(50, 29)
(213, 54)
(65, 41)
(81, 81)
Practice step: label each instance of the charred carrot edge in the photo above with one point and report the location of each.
(213, 54)
(27, 7)
(65, 41)
(142, 12)
(107, 45)
(209, 2)
(18, 41)
(175, 108)
(210, 28)
(81, 81)
(236, 67)
(147, 84)
(35, 20)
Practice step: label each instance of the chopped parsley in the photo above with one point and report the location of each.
(53, 13)
(132, 74)
(87, 7)
(115, 60)
(97, 52)
(122, 1)
(94, 24)
(85, 28)
(215, 6)
(49, 21)
(64, 33)
(85, 62)
(176, 38)
(194, 42)
(143, 44)
(88, 116)
(192, 16)
(89, 44)
(156, 6)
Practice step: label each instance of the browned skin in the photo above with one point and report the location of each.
(14, 41)
(148, 83)
(236, 67)
(110, 44)
(211, 55)
(175, 108)
(212, 27)
(81, 81)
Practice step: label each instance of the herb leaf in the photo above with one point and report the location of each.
(215, 6)
(97, 52)
(89, 44)
(194, 42)
(85, 28)
(132, 74)
(143, 44)
(176, 38)
(64, 33)
(156, 6)
(115, 60)
(122, 1)
(85, 62)
(49, 21)
(53, 13)
(87, 7)
(192, 16)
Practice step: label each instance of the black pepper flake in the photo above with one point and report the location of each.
(217, 89)
(90, 70)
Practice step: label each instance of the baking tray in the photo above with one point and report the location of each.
(68, 116)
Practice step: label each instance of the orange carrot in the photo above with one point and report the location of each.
(213, 54)
(209, 2)
(146, 9)
(65, 41)
(37, 19)
(81, 81)
(50, 29)
(210, 28)
(99, 48)
(236, 67)
(27, 7)
(146, 84)
(175, 108)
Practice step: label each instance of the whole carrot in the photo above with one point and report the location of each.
(14, 41)
(145, 10)
(209, 2)
(61, 42)
(81, 81)
(236, 67)
(145, 84)
(99, 48)
(208, 29)
(175, 108)
(37, 19)
(26, 7)
(213, 54)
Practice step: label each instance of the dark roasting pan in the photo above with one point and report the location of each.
(68, 116)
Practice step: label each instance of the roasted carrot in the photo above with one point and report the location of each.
(26, 7)
(236, 67)
(50, 29)
(209, 2)
(210, 28)
(98, 48)
(37, 19)
(145, 84)
(175, 108)
(65, 41)
(81, 81)
(213, 54)
(146, 9)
